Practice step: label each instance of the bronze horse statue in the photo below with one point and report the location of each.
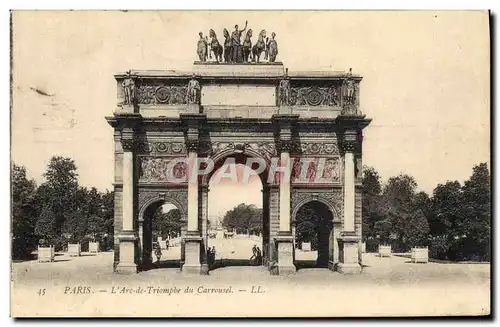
(259, 47)
(227, 46)
(215, 46)
(247, 46)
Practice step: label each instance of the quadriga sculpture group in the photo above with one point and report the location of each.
(234, 50)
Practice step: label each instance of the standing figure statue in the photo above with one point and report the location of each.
(284, 91)
(271, 48)
(247, 46)
(193, 91)
(128, 85)
(227, 46)
(202, 48)
(259, 46)
(215, 46)
(237, 55)
(349, 89)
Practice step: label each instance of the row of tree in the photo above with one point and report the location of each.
(455, 221)
(59, 210)
(244, 219)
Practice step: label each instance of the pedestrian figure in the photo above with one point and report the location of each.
(258, 257)
(158, 253)
(167, 244)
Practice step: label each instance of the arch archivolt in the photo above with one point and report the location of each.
(223, 150)
(177, 197)
(332, 199)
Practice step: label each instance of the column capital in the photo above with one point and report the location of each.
(192, 145)
(127, 139)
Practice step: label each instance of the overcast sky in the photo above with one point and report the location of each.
(426, 82)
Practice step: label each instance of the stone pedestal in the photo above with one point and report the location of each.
(285, 110)
(192, 248)
(285, 254)
(193, 108)
(127, 263)
(349, 255)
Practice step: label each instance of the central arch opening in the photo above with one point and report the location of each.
(313, 235)
(237, 231)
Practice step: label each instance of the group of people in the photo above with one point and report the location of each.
(256, 258)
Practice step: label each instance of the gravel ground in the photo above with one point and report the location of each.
(86, 286)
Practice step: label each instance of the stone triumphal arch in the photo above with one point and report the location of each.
(166, 121)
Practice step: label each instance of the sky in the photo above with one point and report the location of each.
(425, 83)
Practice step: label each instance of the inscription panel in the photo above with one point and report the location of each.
(238, 95)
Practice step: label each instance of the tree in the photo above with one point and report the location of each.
(372, 189)
(167, 224)
(244, 218)
(399, 204)
(58, 195)
(475, 223)
(25, 210)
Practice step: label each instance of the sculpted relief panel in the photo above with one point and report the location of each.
(316, 170)
(162, 94)
(316, 96)
(161, 169)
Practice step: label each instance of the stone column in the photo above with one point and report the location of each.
(192, 247)
(284, 239)
(349, 240)
(204, 227)
(127, 237)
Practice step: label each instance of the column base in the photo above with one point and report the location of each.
(285, 265)
(192, 251)
(126, 268)
(349, 254)
(191, 269)
(349, 268)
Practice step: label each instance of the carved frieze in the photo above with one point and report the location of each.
(162, 169)
(316, 96)
(265, 149)
(160, 147)
(313, 148)
(331, 198)
(161, 94)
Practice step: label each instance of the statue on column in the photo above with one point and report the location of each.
(271, 48)
(227, 46)
(284, 91)
(237, 53)
(193, 91)
(349, 88)
(349, 106)
(202, 48)
(128, 85)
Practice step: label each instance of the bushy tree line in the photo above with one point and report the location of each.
(455, 221)
(58, 211)
(244, 219)
(167, 224)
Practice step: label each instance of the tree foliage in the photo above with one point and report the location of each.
(59, 210)
(455, 222)
(167, 224)
(244, 219)
(25, 211)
